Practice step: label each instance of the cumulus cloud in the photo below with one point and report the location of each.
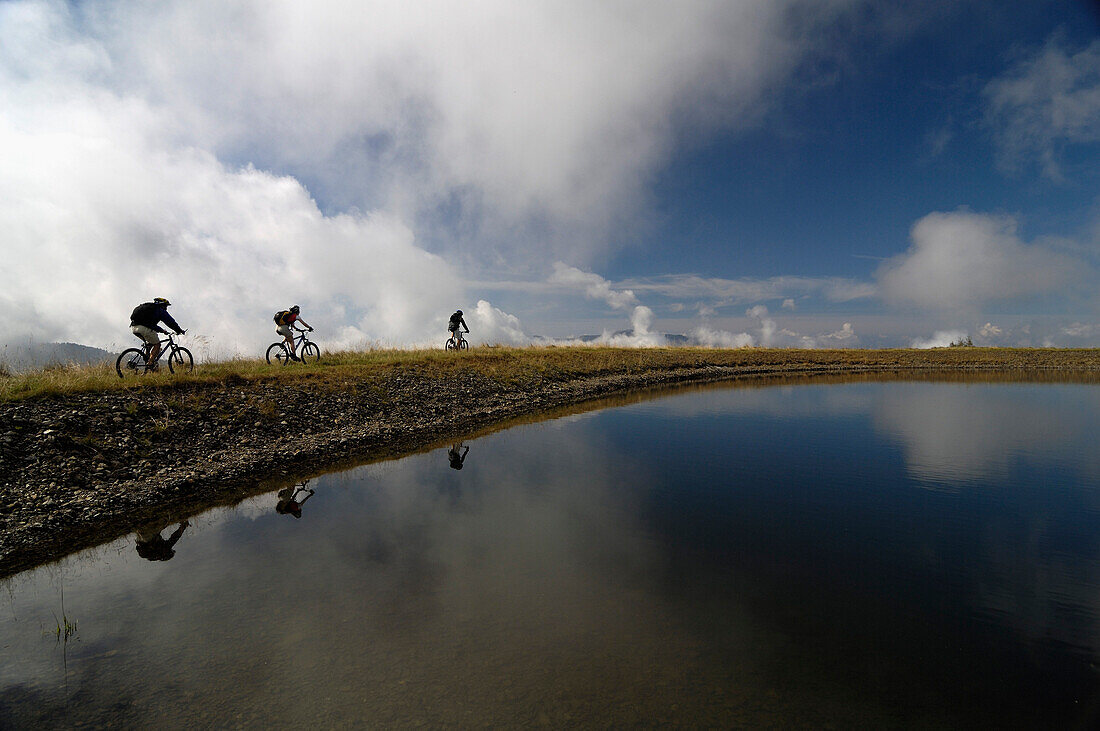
(596, 287)
(711, 338)
(767, 325)
(1046, 100)
(350, 157)
(494, 326)
(513, 114)
(989, 330)
(939, 339)
(965, 260)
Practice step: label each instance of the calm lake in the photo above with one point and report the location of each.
(867, 553)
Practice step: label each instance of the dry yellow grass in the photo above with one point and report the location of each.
(515, 365)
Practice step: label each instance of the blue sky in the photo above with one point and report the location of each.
(849, 166)
(803, 173)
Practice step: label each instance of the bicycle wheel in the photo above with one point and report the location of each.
(276, 353)
(180, 361)
(450, 344)
(463, 344)
(310, 353)
(130, 363)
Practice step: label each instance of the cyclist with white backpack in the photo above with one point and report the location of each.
(284, 325)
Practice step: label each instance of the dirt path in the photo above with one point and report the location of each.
(80, 470)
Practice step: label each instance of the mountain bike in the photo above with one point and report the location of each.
(135, 361)
(308, 352)
(457, 342)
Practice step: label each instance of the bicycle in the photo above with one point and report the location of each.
(457, 342)
(307, 350)
(135, 361)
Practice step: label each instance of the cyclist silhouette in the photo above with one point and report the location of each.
(284, 322)
(453, 324)
(455, 457)
(151, 546)
(145, 323)
(289, 504)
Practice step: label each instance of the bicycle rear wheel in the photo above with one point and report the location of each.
(276, 353)
(130, 363)
(310, 353)
(180, 361)
(450, 344)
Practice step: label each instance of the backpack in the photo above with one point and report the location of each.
(142, 311)
(280, 315)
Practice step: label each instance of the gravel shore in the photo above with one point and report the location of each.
(81, 469)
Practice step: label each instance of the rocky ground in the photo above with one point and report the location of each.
(81, 469)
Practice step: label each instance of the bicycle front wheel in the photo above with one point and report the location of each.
(463, 344)
(180, 361)
(310, 353)
(276, 353)
(130, 363)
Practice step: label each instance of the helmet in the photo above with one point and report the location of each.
(458, 312)
(294, 308)
(161, 301)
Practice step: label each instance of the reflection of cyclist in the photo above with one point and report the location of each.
(145, 323)
(284, 321)
(152, 547)
(455, 457)
(453, 323)
(288, 500)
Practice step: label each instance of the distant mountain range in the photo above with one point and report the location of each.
(22, 357)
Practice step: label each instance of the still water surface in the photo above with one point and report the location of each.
(913, 554)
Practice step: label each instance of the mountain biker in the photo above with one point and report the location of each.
(453, 323)
(285, 319)
(145, 323)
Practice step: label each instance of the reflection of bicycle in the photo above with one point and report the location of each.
(152, 546)
(307, 350)
(289, 504)
(135, 361)
(456, 456)
(457, 342)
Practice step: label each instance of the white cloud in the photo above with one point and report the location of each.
(965, 260)
(939, 339)
(494, 326)
(593, 285)
(989, 330)
(846, 335)
(768, 327)
(744, 291)
(788, 304)
(1046, 100)
(239, 156)
(710, 338)
(519, 113)
(773, 336)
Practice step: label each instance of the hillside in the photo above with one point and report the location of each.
(18, 357)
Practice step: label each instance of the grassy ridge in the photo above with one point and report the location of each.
(517, 365)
